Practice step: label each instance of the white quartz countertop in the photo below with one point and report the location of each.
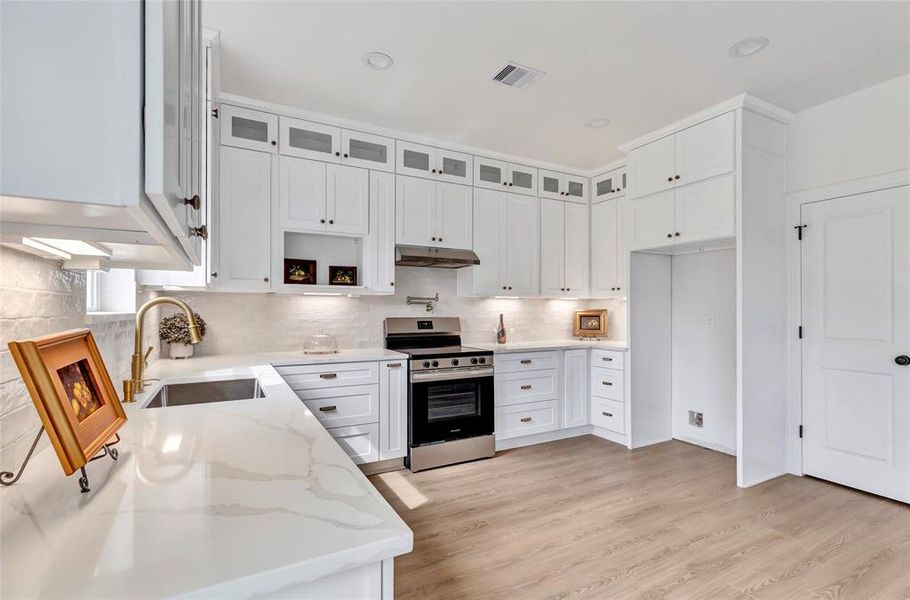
(229, 499)
(553, 345)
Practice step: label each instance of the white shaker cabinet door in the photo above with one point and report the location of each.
(576, 253)
(705, 150)
(302, 194)
(415, 159)
(652, 167)
(605, 229)
(454, 220)
(359, 149)
(490, 211)
(454, 167)
(347, 200)
(306, 139)
(251, 129)
(393, 409)
(705, 210)
(382, 232)
(415, 211)
(552, 247)
(652, 222)
(575, 388)
(522, 275)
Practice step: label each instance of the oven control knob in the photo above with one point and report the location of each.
(435, 363)
(454, 362)
(426, 364)
(474, 361)
(482, 360)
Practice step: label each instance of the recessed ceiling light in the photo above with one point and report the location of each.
(597, 123)
(748, 46)
(378, 60)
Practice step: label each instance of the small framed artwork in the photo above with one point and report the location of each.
(342, 275)
(298, 271)
(73, 393)
(591, 323)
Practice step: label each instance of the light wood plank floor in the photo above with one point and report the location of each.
(587, 518)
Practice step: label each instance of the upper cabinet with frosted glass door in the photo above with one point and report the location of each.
(504, 176)
(317, 141)
(560, 186)
(610, 185)
(250, 129)
(433, 163)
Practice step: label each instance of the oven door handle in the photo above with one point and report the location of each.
(447, 376)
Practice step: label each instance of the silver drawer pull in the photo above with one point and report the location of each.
(607, 382)
(526, 387)
(394, 365)
(606, 414)
(328, 376)
(526, 361)
(526, 419)
(606, 358)
(329, 408)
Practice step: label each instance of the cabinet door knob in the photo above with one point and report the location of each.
(510, 287)
(669, 235)
(505, 183)
(345, 155)
(392, 283)
(274, 143)
(902, 360)
(510, 184)
(677, 177)
(322, 220)
(215, 275)
(338, 154)
(676, 234)
(201, 231)
(432, 170)
(194, 202)
(440, 239)
(503, 287)
(568, 289)
(265, 279)
(669, 179)
(432, 239)
(331, 221)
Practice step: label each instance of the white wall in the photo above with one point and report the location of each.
(862, 134)
(704, 347)
(263, 322)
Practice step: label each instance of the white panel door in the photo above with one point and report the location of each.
(301, 194)
(415, 211)
(245, 218)
(856, 335)
(576, 262)
(522, 274)
(381, 277)
(575, 389)
(490, 212)
(605, 228)
(705, 150)
(347, 199)
(705, 210)
(454, 220)
(651, 167)
(652, 222)
(552, 247)
(393, 409)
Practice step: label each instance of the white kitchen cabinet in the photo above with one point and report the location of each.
(696, 212)
(608, 256)
(575, 388)
(610, 184)
(561, 186)
(607, 392)
(245, 219)
(517, 420)
(306, 139)
(433, 213)
(393, 409)
(359, 149)
(360, 442)
(433, 163)
(319, 197)
(497, 175)
(563, 248)
(381, 242)
(690, 155)
(506, 239)
(251, 129)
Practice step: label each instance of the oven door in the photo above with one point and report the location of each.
(449, 406)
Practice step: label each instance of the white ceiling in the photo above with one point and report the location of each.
(640, 64)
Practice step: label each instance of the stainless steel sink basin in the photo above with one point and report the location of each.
(203, 392)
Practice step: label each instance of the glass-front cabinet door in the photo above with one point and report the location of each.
(551, 185)
(415, 160)
(523, 180)
(491, 174)
(366, 150)
(454, 167)
(306, 139)
(610, 184)
(251, 129)
(575, 188)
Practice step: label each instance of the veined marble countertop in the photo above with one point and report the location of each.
(229, 499)
(553, 345)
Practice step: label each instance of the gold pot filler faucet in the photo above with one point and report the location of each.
(135, 384)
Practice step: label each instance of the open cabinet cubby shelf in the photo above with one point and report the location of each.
(326, 250)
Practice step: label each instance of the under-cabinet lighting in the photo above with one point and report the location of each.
(321, 294)
(48, 249)
(77, 247)
(507, 297)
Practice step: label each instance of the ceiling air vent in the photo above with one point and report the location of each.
(516, 76)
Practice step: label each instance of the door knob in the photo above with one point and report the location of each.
(903, 360)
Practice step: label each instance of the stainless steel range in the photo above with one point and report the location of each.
(450, 392)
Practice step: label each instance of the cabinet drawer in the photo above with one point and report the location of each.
(608, 414)
(533, 386)
(337, 407)
(361, 443)
(303, 377)
(607, 383)
(609, 359)
(526, 419)
(525, 361)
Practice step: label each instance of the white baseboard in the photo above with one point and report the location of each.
(540, 438)
(703, 444)
(610, 436)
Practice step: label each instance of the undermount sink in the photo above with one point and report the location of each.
(204, 392)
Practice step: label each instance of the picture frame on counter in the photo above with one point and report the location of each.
(342, 275)
(591, 323)
(299, 271)
(73, 394)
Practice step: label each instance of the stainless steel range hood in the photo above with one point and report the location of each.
(440, 258)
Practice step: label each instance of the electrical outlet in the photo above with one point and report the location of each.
(696, 419)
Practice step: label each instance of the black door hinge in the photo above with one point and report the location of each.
(800, 431)
(215, 113)
(800, 332)
(799, 231)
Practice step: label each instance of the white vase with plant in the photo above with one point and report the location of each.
(175, 330)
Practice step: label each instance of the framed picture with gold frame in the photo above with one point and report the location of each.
(591, 323)
(72, 391)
